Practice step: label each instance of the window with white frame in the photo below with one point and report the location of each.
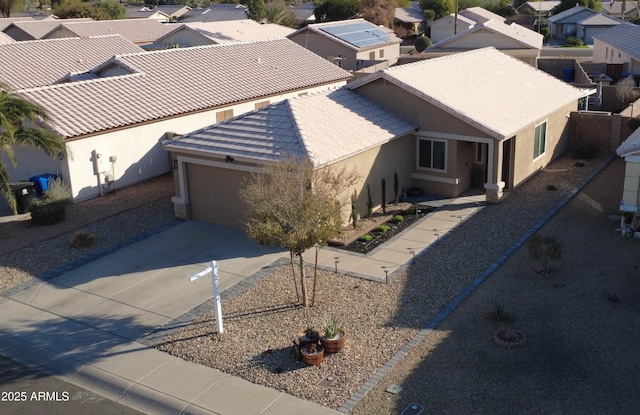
(432, 154)
(539, 139)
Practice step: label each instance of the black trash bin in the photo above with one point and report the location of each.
(23, 191)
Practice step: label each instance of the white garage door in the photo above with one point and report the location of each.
(214, 194)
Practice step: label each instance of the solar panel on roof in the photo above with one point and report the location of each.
(359, 34)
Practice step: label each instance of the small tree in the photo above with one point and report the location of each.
(354, 209)
(422, 43)
(369, 202)
(295, 206)
(545, 249)
(384, 195)
(626, 92)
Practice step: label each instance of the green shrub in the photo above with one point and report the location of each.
(51, 209)
(396, 190)
(398, 218)
(573, 41)
(369, 202)
(82, 239)
(44, 212)
(354, 209)
(422, 43)
(383, 228)
(383, 183)
(366, 238)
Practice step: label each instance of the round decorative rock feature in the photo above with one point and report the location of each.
(509, 338)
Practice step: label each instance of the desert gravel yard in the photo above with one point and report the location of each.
(581, 322)
(458, 369)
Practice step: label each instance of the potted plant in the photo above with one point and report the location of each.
(312, 354)
(333, 336)
(308, 336)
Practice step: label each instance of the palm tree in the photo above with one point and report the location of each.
(14, 110)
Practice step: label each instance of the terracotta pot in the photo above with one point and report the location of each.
(312, 359)
(304, 340)
(333, 345)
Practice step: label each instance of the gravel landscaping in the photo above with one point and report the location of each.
(379, 319)
(581, 350)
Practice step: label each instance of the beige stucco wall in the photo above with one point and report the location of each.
(433, 123)
(372, 166)
(557, 143)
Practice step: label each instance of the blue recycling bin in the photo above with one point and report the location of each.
(41, 182)
(568, 74)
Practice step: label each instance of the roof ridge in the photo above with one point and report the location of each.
(86, 81)
(295, 121)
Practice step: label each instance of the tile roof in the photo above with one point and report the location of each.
(410, 14)
(480, 15)
(599, 19)
(138, 31)
(485, 88)
(217, 13)
(356, 34)
(239, 30)
(615, 7)
(568, 13)
(38, 28)
(619, 37)
(36, 63)
(528, 38)
(160, 84)
(145, 13)
(325, 128)
(5, 38)
(542, 6)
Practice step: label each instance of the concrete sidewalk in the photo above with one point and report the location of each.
(87, 325)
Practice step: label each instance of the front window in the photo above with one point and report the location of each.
(381, 53)
(540, 140)
(432, 154)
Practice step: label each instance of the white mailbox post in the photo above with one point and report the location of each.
(213, 269)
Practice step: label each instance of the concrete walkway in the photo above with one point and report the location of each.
(89, 325)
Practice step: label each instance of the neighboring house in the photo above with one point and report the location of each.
(513, 39)
(432, 122)
(174, 11)
(239, 30)
(630, 150)
(614, 48)
(593, 25)
(217, 13)
(338, 129)
(6, 21)
(35, 63)
(620, 9)
(503, 117)
(304, 13)
(410, 18)
(448, 26)
(140, 31)
(137, 12)
(114, 117)
(182, 36)
(350, 44)
(578, 21)
(36, 29)
(538, 8)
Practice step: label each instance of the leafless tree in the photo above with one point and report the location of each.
(295, 206)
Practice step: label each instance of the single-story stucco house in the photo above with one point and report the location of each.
(351, 44)
(432, 122)
(114, 116)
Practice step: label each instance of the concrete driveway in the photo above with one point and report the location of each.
(86, 325)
